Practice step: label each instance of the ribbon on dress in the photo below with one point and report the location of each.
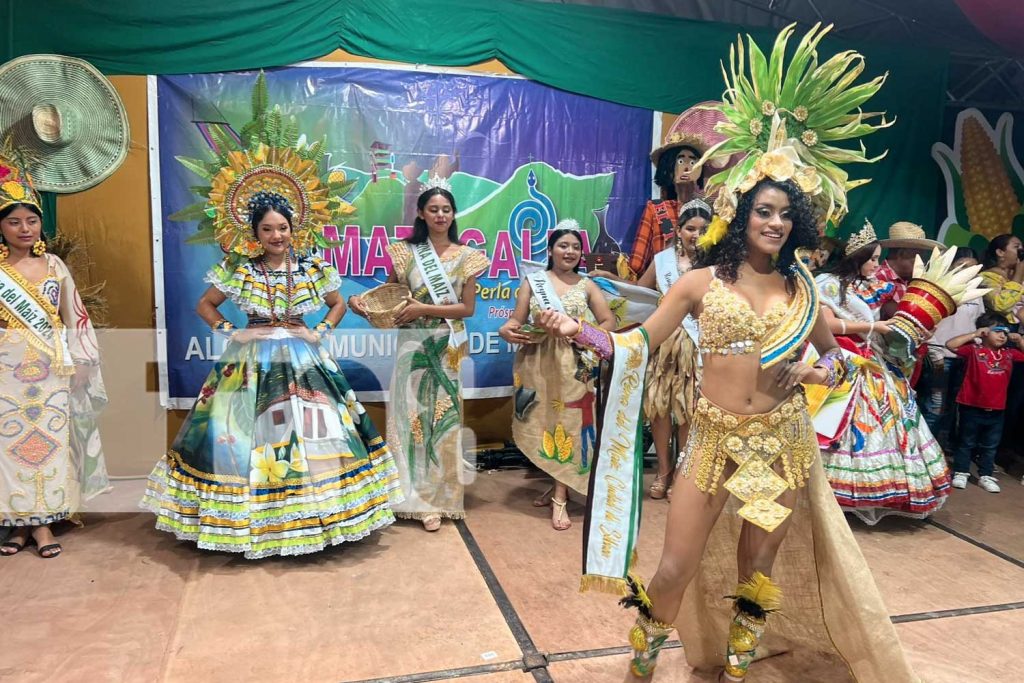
(23, 305)
(666, 272)
(440, 287)
(544, 291)
(616, 477)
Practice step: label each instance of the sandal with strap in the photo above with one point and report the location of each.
(659, 487)
(432, 522)
(544, 499)
(48, 552)
(558, 513)
(16, 547)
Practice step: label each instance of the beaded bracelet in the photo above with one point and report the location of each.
(834, 365)
(595, 338)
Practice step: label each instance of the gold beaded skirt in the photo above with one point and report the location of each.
(833, 621)
(760, 445)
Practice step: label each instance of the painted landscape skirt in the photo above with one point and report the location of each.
(277, 457)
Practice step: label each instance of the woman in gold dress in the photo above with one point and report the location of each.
(553, 422)
(751, 500)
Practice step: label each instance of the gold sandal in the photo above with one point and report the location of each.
(558, 508)
(659, 487)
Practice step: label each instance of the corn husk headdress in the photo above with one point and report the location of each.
(784, 122)
(267, 164)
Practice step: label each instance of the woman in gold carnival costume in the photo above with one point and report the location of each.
(50, 383)
(277, 457)
(553, 421)
(752, 451)
(425, 411)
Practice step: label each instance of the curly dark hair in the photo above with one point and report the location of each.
(731, 252)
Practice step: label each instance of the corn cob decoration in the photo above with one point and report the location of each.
(989, 197)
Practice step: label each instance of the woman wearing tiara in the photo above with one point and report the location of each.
(674, 369)
(425, 411)
(554, 400)
(752, 514)
(277, 457)
(51, 459)
(881, 458)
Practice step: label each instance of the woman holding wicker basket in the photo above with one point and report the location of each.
(425, 412)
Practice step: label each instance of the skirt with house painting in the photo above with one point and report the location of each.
(277, 457)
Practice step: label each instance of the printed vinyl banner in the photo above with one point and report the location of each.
(520, 157)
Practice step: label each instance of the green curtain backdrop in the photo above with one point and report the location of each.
(640, 59)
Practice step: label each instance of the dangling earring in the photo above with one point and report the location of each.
(39, 248)
(4, 252)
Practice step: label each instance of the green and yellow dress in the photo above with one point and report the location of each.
(277, 457)
(425, 412)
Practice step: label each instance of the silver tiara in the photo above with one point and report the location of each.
(568, 224)
(698, 204)
(438, 182)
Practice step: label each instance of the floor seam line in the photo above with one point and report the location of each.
(956, 612)
(976, 543)
(515, 624)
(447, 674)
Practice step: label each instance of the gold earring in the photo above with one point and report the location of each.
(4, 252)
(39, 248)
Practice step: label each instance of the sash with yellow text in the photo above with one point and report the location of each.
(616, 480)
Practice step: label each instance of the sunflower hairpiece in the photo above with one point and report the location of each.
(784, 121)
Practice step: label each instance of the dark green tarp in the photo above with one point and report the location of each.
(640, 59)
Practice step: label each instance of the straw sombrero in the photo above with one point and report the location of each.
(694, 128)
(66, 116)
(906, 235)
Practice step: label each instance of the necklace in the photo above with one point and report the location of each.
(272, 291)
(995, 359)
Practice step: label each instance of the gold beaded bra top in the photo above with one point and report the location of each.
(729, 326)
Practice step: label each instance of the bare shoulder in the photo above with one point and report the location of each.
(695, 282)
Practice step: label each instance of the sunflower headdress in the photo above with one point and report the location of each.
(267, 165)
(784, 122)
(16, 186)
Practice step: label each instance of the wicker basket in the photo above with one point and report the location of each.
(383, 302)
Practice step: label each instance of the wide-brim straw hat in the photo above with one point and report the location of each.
(67, 117)
(907, 235)
(694, 128)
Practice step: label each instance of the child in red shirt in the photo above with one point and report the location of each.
(982, 398)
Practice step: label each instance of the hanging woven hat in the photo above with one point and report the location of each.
(694, 128)
(67, 116)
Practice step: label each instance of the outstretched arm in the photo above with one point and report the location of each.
(681, 299)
